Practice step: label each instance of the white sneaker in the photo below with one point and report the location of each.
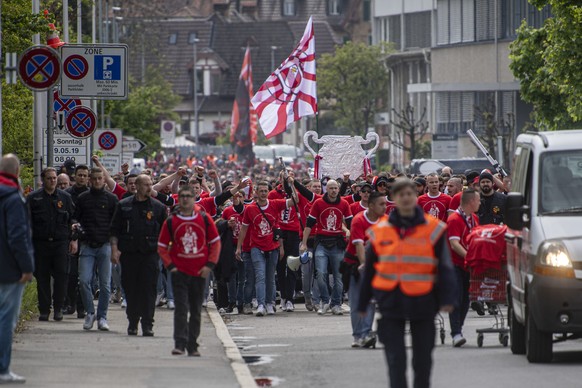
(89, 321)
(270, 309)
(171, 305)
(459, 341)
(255, 304)
(337, 310)
(289, 307)
(323, 309)
(260, 311)
(123, 304)
(11, 378)
(102, 324)
(283, 305)
(358, 343)
(247, 309)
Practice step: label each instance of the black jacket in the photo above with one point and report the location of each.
(75, 191)
(16, 254)
(137, 224)
(395, 304)
(492, 209)
(51, 215)
(95, 211)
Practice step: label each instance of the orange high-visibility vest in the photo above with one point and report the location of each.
(409, 262)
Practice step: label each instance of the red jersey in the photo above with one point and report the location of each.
(455, 201)
(208, 204)
(238, 217)
(305, 208)
(119, 191)
(349, 199)
(288, 218)
(458, 228)
(435, 206)
(357, 207)
(360, 225)
(330, 216)
(390, 206)
(189, 251)
(259, 228)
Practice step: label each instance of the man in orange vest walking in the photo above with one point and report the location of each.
(409, 272)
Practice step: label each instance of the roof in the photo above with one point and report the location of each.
(224, 41)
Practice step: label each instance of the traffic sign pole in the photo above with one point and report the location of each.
(50, 128)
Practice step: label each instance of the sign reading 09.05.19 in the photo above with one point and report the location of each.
(94, 71)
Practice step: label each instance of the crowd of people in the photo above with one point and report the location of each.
(183, 229)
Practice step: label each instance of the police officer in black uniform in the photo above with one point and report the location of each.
(51, 212)
(73, 299)
(134, 242)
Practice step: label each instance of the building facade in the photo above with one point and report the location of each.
(466, 61)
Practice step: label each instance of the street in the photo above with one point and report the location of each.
(302, 349)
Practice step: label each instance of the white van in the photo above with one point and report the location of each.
(544, 242)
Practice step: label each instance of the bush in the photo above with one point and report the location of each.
(29, 308)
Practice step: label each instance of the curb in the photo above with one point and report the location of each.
(238, 364)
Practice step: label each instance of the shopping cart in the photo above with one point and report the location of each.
(489, 286)
(488, 270)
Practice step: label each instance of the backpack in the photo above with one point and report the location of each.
(171, 230)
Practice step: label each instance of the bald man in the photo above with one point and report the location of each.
(63, 181)
(16, 260)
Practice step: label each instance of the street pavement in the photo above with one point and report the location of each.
(302, 349)
(62, 354)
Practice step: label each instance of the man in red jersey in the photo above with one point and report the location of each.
(434, 202)
(328, 214)
(189, 246)
(261, 221)
(459, 225)
(354, 261)
(362, 204)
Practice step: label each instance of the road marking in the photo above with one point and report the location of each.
(238, 364)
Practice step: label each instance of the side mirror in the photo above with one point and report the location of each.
(516, 213)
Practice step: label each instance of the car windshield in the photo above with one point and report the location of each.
(561, 182)
(263, 152)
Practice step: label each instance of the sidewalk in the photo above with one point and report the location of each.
(62, 354)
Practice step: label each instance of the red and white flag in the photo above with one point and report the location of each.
(243, 123)
(290, 92)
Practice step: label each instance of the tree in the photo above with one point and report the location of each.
(547, 63)
(492, 128)
(410, 131)
(353, 83)
(140, 115)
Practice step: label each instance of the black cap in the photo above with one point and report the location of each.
(471, 175)
(486, 175)
(420, 181)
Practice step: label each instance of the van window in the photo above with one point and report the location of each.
(560, 182)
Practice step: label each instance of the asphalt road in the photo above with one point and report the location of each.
(302, 349)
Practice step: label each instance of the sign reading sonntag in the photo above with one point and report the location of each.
(94, 71)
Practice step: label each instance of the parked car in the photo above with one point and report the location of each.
(544, 243)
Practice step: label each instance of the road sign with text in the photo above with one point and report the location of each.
(94, 71)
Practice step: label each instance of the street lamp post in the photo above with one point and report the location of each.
(194, 91)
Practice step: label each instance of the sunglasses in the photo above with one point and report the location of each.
(365, 191)
(185, 196)
(382, 184)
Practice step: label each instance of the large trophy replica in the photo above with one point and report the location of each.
(340, 154)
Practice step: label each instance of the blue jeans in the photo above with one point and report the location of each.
(325, 257)
(361, 327)
(10, 300)
(165, 283)
(265, 263)
(457, 317)
(249, 278)
(100, 259)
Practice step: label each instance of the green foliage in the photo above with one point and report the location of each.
(140, 115)
(424, 150)
(29, 307)
(353, 82)
(547, 63)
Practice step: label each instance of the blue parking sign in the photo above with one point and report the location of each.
(107, 67)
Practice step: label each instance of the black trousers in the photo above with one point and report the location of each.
(188, 296)
(51, 260)
(73, 297)
(391, 334)
(139, 278)
(287, 279)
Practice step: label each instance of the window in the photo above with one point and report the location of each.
(334, 7)
(456, 21)
(215, 82)
(192, 38)
(418, 30)
(288, 8)
(173, 38)
(394, 32)
(515, 11)
(367, 10)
